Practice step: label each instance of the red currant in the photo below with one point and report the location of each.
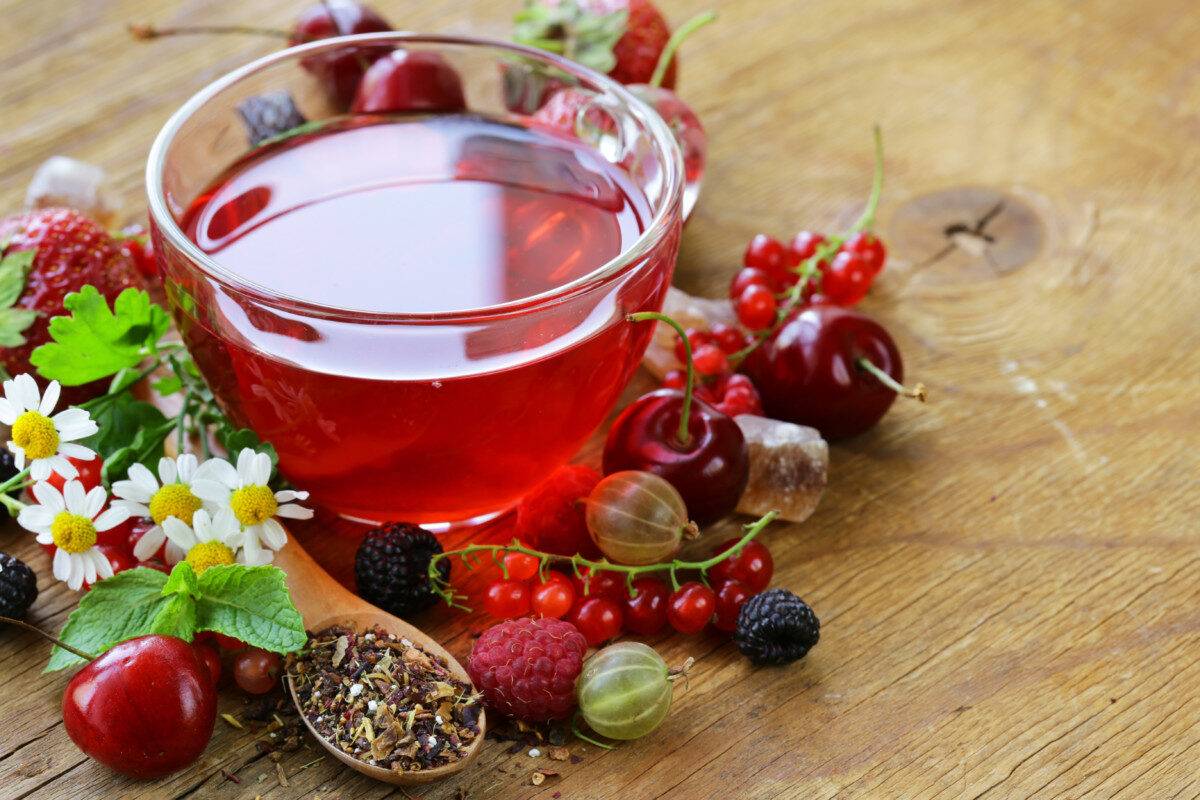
(709, 359)
(604, 583)
(646, 611)
(738, 395)
(256, 671)
(210, 658)
(728, 338)
(752, 566)
(730, 598)
(870, 251)
(507, 599)
(521, 566)
(804, 246)
(765, 253)
(89, 473)
(598, 619)
(697, 338)
(553, 598)
(847, 281)
(756, 307)
(745, 279)
(691, 607)
(118, 536)
(675, 379)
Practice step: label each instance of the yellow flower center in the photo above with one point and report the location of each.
(36, 435)
(174, 500)
(208, 554)
(253, 504)
(73, 533)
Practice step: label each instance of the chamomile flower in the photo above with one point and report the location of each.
(42, 441)
(169, 496)
(245, 491)
(70, 521)
(209, 541)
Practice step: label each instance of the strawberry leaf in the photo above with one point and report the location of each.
(569, 30)
(95, 342)
(14, 269)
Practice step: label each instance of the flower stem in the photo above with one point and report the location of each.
(917, 392)
(12, 504)
(442, 589)
(682, 32)
(144, 31)
(15, 480)
(44, 635)
(683, 434)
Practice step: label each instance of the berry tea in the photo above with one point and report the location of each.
(357, 330)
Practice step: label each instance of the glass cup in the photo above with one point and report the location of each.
(439, 417)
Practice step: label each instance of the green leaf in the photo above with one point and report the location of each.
(176, 617)
(169, 384)
(120, 419)
(14, 269)
(146, 448)
(13, 323)
(182, 580)
(117, 608)
(251, 604)
(95, 342)
(234, 440)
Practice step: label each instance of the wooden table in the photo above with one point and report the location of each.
(1007, 577)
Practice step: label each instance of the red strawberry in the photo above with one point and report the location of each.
(70, 251)
(623, 38)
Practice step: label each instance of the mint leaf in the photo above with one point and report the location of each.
(234, 440)
(95, 342)
(182, 580)
(14, 269)
(175, 617)
(169, 384)
(120, 418)
(251, 604)
(117, 608)
(146, 448)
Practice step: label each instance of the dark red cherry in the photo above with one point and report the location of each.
(145, 708)
(340, 71)
(710, 470)
(410, 80)
(811, 371)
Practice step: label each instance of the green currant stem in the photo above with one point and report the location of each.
(684, 435)
(44, 635)
(682, 32)
(672, 567)
(808, 270)
(581, 735)
(917, 392)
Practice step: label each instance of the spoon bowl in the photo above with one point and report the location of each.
(323, 602)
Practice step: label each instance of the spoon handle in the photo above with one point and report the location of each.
(314, 591)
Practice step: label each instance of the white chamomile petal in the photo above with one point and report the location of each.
(149, 544)
(273, 534)
(39, 470)
(94, 501)
(45, 537)
(37, 519)
(210, 491)
(72, 450)
(61, 465)
(245, 466)
(175, 553)
(46, 494)
(293, 511)
(18, 456)
(111, 518)
(62, 565)
(26, 392)
(76, 498)
(75, 575)
(260, 469)
(89, 567)
(103, 567)
(185, 467)
(217, 470)
(8, 411)
(144, 478)
(49, 399)
(179, 533)
(286, 495)
(166, 470)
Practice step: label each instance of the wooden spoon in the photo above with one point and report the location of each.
(322, 602)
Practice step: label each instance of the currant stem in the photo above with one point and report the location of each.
(917, 392)
(145, 32)
(683, 434)
(44, 635)
(581, 735)
(682, 32)
(441, 587)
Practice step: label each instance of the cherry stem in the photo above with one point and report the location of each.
(683, 434)
(144, 31)
(441, 587)
(917, 392)
(682, 32)
(44, 635)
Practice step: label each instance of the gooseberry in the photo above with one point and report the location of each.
(637, 518)
(624, 691)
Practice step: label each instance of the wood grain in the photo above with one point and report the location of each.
(1007, 577)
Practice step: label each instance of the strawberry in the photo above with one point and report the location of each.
(69, 250)
(622, 38)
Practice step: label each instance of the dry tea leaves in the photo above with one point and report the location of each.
(383, 700)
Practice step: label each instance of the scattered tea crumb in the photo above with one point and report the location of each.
(560, 753)
(535, 753)
(383, 700)
(233, 722)
(229, 776)
(283, 781)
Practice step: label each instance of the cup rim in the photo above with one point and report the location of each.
(659, 227)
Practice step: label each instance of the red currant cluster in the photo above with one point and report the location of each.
(728, 392)
(603, 606)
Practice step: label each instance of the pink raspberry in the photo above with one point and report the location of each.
(526, 668)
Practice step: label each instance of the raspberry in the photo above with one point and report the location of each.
(391, 568)
(550, 518)
(776, 627)
(526, 668)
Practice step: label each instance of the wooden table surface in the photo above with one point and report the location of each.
(1007, 577)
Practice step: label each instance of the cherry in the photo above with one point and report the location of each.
(730, 597)
(765, 253)
(507, 599)
(745, 278)
(752, 566)
(597, 618)
(869, 250)
(408, 80)
(145, 708)
(603, 583)
(89, 473)
(256, 671)
(690, 607)
(832, 368)
(646, 610)
(211, 659)
(118, 536)
(756, 307)
(223, 642)
(340, 71)
(684, 124)
(848, 279)
(521, 566)
(554, 598)
(119, 557)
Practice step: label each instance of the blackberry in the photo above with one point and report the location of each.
(776, 627)
(8, 468)
(392, 568)
(18, 587)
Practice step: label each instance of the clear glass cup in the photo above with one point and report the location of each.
(437, 417)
